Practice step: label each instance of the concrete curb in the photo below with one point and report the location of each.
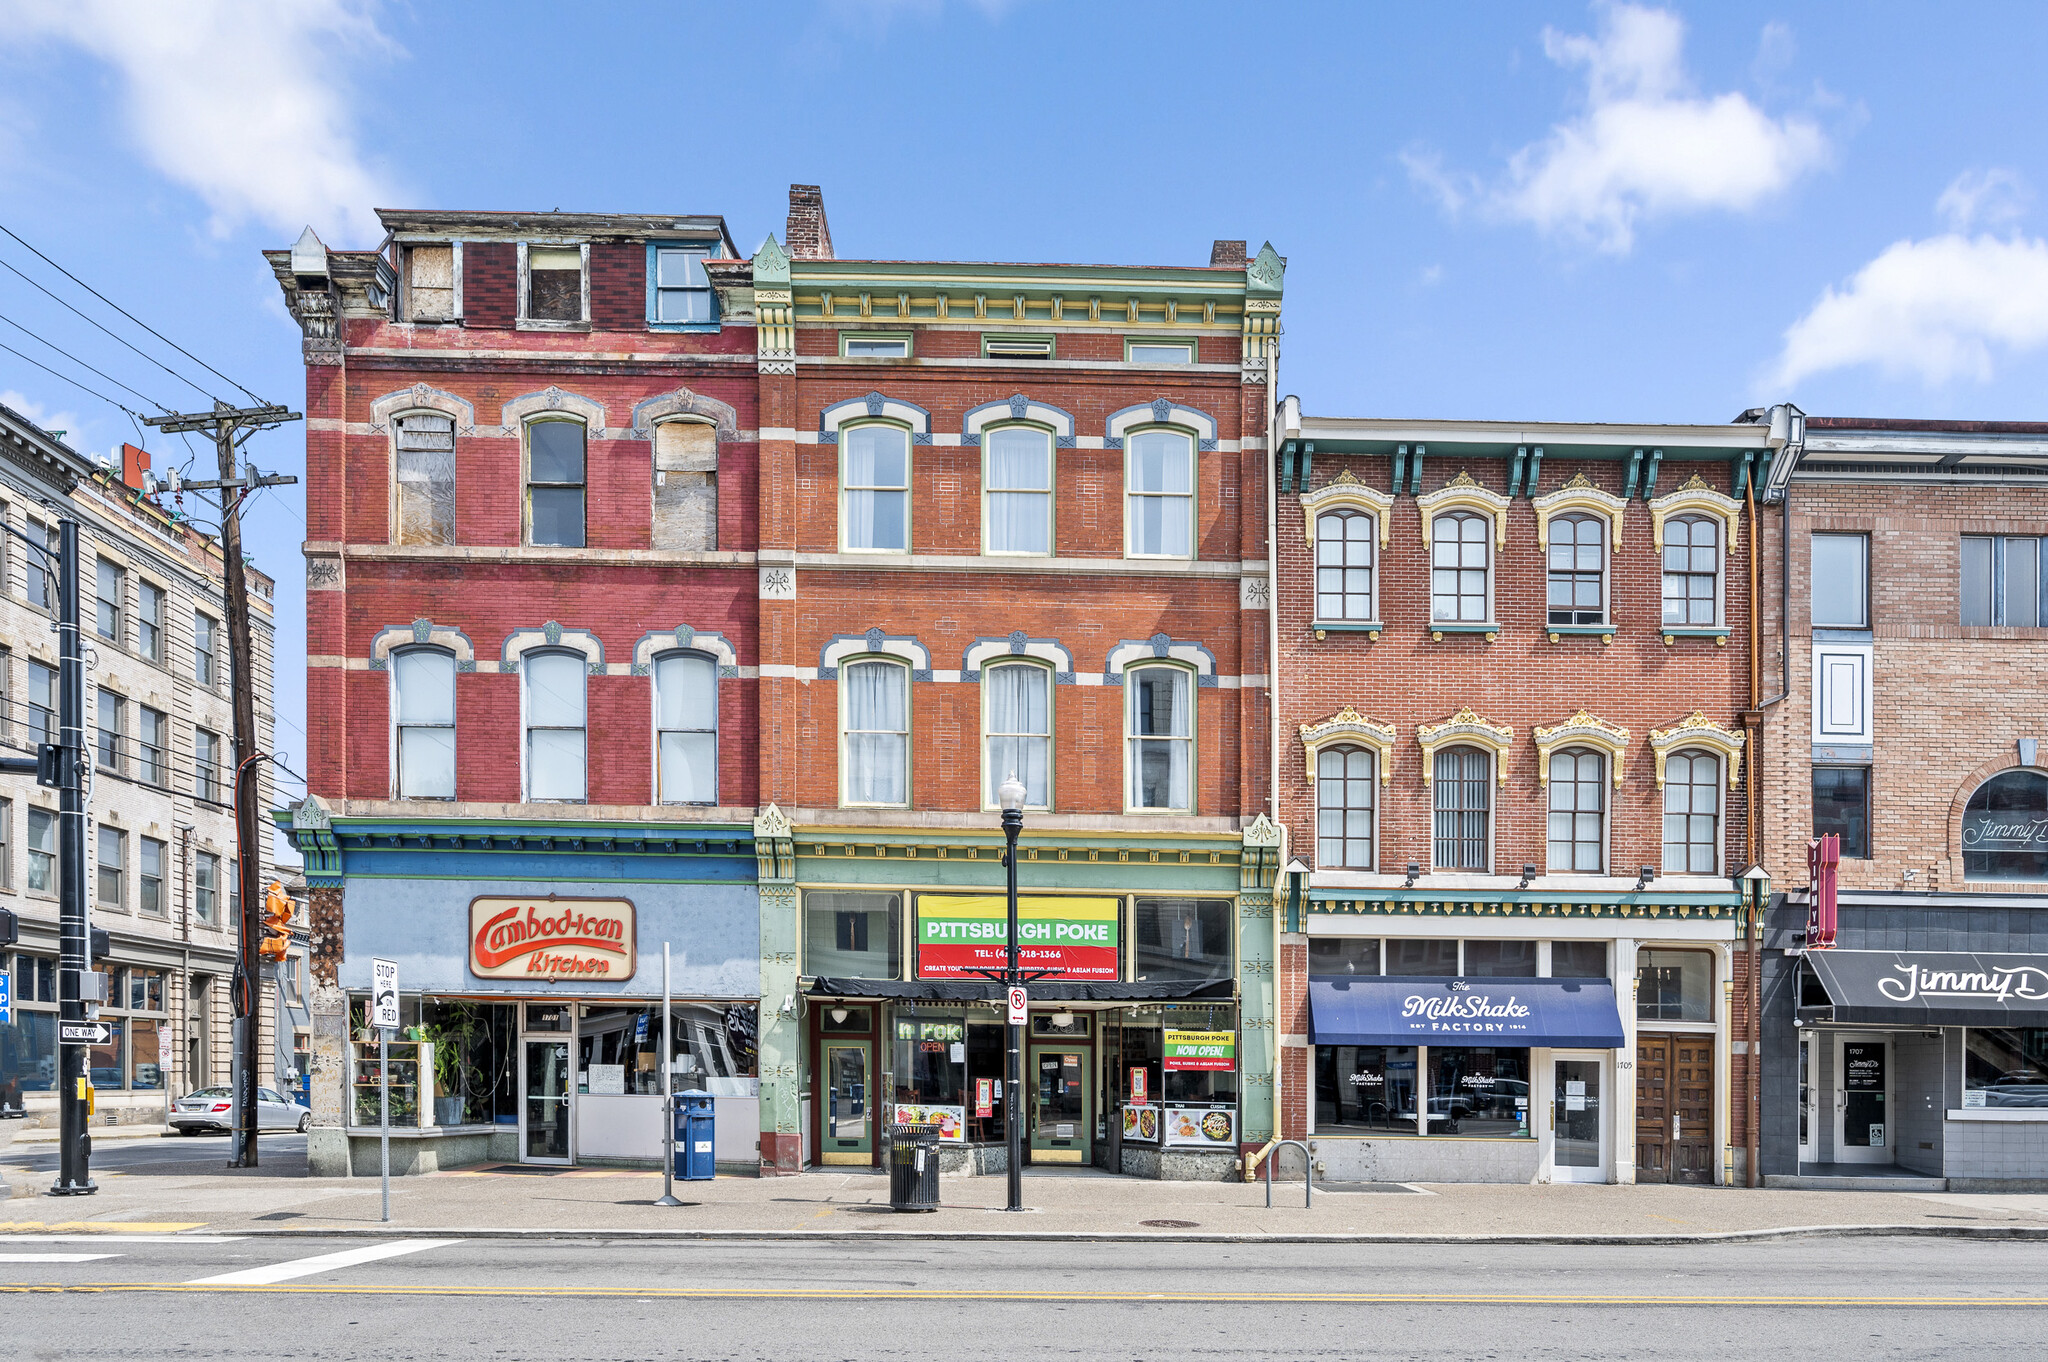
(2036, 1233)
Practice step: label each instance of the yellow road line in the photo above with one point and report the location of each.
(1082, 1297)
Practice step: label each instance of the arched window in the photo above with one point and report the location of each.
(1160, 717)
(1464, 803)
(555, 482)
(874, 481)
(424, 479)
(1159, 494)
(554, 725)
(1692, 570)
(1692, 813)
(1344, 808)
(1578, 561)
(686, 728)
(1017, 722)
(1344, 548)
(1578, 808)
(423, 723)
(2003, 824)
(1460, 552)
(1017, 463)
(875, 732)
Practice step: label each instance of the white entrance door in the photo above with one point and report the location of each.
(1863, 1085)
(1578, 1116)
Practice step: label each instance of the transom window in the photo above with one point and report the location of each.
(1692, 570)
(1459, 556)
(1692, 813)
(1578, 805)
(555, 718)
(1019, 460)
(1160, 494)
(874, 474)
(1161, 734)
(1344, 565)
(876, 732)
(424, 479)
(423, 682)
(1344, 808)
(1577, 570)
(1463, 796)
(555, 472)
(1018, 722)
(686, 723)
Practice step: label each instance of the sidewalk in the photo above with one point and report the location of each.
(587, 1203)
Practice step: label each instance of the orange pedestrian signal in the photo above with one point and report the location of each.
(277, 922)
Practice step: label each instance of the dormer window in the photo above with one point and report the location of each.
(430, 282)
(553, 289)
(682, 292)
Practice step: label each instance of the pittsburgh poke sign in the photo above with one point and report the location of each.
(552, 939)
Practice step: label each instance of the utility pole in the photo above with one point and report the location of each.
(229, 428)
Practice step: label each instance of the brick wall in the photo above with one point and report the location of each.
(618, 285)
(490, 283)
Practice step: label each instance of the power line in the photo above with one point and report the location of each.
(131, 316)
(79, 362)
(72, 381)
(145, 354)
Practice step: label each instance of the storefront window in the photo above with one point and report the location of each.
(476, 1061)
(28, 1056)
(1343, 955)
(1500, 959)
(2005, 828)
(403, 1055)
(1424, 958)
(1365, 1087)
(1193, 1070)
(619, 1050)
(107, 1065)
(987, 1056)
(1183, 938)
(1578, 959)
(1477, 1091)
(1675, 986)
(2005, 1067)
(854, 936)
(930, 1069)
(145, 1044)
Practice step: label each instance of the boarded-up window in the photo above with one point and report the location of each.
(554, 283)
(426, 480)
(685, 485)
(430, 283)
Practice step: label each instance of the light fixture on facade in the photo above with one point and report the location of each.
(838, 1015)
(1062, 1019)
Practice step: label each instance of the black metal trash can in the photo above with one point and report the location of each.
(914, 1168)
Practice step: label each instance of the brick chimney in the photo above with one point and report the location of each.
(807, 235)
(134, 466)
(1230, 253)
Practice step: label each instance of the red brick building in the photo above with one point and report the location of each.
(1513, 664)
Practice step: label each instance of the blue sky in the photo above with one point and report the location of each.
(1533, 211)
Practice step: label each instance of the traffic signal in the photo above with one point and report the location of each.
(9, 932)
(277, 922)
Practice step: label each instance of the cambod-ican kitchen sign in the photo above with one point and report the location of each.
(551, 939)
(1464, 1011)
(1071, 938)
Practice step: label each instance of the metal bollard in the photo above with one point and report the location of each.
(1308, 1175)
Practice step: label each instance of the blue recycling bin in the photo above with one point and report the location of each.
(696, 1138)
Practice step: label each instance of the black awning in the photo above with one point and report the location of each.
(1042, 990)
(1933, 988)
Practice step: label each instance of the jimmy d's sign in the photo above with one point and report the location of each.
(551, 938)
(1071, 938)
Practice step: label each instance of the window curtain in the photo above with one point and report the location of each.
(1020, 728)
(426, 724)
(877, 461)
(1161, 724)
(1020, 491)
(686, 702)
(1161, 483)
(877, 746)
(554, 719)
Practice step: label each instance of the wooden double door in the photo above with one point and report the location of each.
(1675, 1108)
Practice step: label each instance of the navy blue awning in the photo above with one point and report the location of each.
(1379, 1010)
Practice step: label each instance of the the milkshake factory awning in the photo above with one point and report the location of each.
(1374, 1010)
(1932, 988)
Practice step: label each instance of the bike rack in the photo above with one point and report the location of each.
(1308, 1176)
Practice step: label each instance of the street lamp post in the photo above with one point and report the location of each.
(1756, 885)
(1011, 796)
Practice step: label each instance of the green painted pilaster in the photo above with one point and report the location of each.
(1258, 1007)
(781, 1039)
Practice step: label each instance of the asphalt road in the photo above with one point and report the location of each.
(416, 1298)
(283, 1154)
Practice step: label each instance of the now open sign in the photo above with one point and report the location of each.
(959, 935)
(1199, 1050)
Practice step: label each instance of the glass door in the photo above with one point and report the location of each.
(1578, 1121)
(544, 1113)
(1862, 1083)
(1059, 1111)
(849, 1113)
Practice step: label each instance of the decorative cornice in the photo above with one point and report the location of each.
(1347, 725)
(1345, 492)
(1694, 496)
(1697, 907)
(1581, 730)
(1697, 730)
(1465, 726)
(1463, 493)
(1578, 495)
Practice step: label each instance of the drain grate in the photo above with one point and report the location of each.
(1172, 1224)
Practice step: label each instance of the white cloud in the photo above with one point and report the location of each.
(1983, 198)
(1938, 309)
(237, 100)
(1646, 145)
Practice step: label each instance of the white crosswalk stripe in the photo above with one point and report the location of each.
(326, 1262)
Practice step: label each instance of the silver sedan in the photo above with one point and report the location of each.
(214, 1109)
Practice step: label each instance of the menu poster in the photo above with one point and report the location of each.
(951, 1121)
(1142, 1124)
(1213, 1128)
(984, 1098)
(1138, 1093)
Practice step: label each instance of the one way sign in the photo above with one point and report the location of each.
(84, 1033)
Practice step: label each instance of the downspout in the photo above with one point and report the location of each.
(1279, 413)
(1754, 1039)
